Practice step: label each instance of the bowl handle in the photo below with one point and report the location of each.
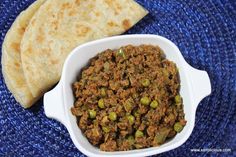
(53, 104)
(200, 83)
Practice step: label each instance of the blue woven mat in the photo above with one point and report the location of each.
(205, 32)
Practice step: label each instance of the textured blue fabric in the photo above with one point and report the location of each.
(204, 30)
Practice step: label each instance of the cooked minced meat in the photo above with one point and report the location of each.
(129, 99)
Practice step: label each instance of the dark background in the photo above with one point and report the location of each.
(204, 31)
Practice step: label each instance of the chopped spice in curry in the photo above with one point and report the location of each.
(129, 99)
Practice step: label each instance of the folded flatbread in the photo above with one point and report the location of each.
(61, 25)
(11, 60)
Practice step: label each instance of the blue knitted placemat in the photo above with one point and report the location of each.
(205, 32)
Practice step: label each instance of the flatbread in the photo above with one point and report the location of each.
(11, 60)
(61, 25)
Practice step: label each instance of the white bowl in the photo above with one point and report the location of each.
(195, 85)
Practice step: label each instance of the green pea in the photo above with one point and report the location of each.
(101, 103)
(136, 114)
(177, 99)
(145, 100)
(92, 114)
(134, 95)
(178, 127)
(103, 92)
(112, 116)
(121, 53)
(145, 82)
(131, 119)
(106, 129)
(83, 75)
(154, 104)
(131, 139)
(138, 133)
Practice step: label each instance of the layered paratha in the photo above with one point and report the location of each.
(11, 60)
(61, 25)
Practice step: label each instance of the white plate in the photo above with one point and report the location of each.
(195, 85)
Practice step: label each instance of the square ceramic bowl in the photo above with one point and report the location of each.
(195, 85)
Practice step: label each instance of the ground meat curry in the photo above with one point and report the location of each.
(129, 99)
